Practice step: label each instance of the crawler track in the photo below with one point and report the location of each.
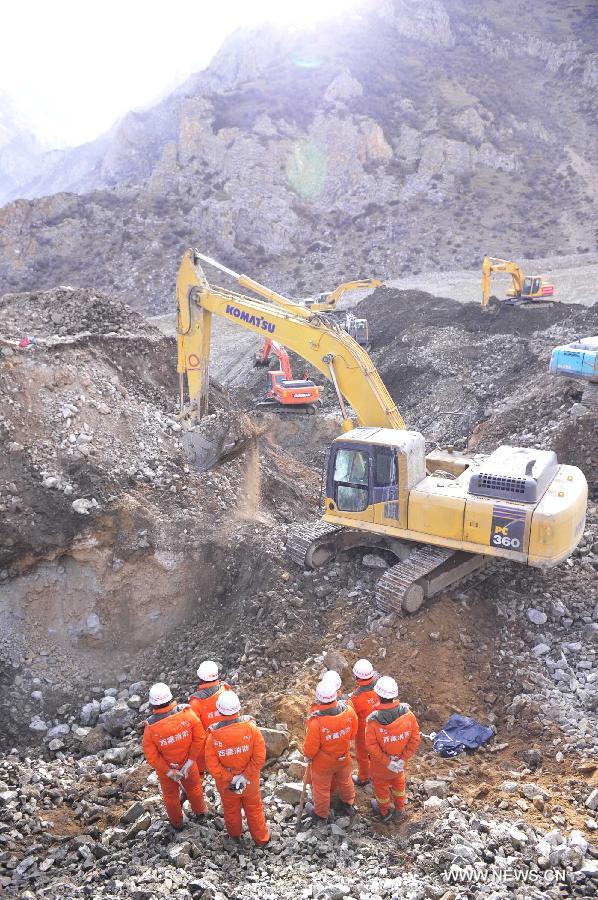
(398, 589)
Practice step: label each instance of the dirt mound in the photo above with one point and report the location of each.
(451, 368)
(67, 311)
(392, 313)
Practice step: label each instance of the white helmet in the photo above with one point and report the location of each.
(387, 688)
(333, 678)
(208, 671)
(363, 669)
(325, 692)
(159, 694)
(228, 704)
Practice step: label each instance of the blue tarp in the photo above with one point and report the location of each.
(461, 733)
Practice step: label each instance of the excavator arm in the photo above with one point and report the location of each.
(330, 300)
(280, 353)
(326, 346)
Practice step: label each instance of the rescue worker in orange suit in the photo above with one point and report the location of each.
(335, 681)
(173, 739)
(391, 737)
(330, 728)
(203, 701)
(364, 701)
(235, 754)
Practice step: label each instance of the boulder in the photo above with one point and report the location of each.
(120, 718)
(296, 770)
(38, 726)
(140, 824)
(276, 741)
(532, 758)
(132, 813)
(436, 788)
(107, 703)
(94, 740)
(592, 800)
(116, 755)
(536, 617)
(517, 837)
(335, 660)
(79, 732)
(289, 792)
(58, 731)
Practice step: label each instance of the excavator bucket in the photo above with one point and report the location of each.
(216, 438)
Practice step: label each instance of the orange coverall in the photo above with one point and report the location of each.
(364, 701)
(203, 704)
(329, 730)
(235, 746)
(170, 738)
(391, 730)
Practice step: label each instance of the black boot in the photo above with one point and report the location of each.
(386, 817)
(346, 809)
(358, 782)
(318, 820)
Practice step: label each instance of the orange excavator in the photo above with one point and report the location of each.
(286, 393)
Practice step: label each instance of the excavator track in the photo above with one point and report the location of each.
(422, 572)
(293, 409)
(398, 590)
(303, 542)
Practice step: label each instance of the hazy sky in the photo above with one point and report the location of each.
(73, 68)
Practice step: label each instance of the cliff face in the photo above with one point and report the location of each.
(412, 133)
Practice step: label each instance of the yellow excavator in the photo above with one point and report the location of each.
(441, 515)
(326, 302)
(526, 289)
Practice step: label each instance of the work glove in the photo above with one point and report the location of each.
(175, 774)
(238, 783)
(396, 765)
(184, 770)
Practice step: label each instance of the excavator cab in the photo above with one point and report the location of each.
(358, 329)
(532, 287)
(370, 471)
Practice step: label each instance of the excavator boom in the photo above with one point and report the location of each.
(326, 346)
(327, 302)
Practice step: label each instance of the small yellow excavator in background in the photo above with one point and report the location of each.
(326, 302)
(526, 289)
(441, 515)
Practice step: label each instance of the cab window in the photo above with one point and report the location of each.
(351, 480)
(385, 468)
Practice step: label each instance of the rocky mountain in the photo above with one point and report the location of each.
(406, 134)
(20, 150)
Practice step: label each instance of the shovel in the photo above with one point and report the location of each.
(302, 800)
